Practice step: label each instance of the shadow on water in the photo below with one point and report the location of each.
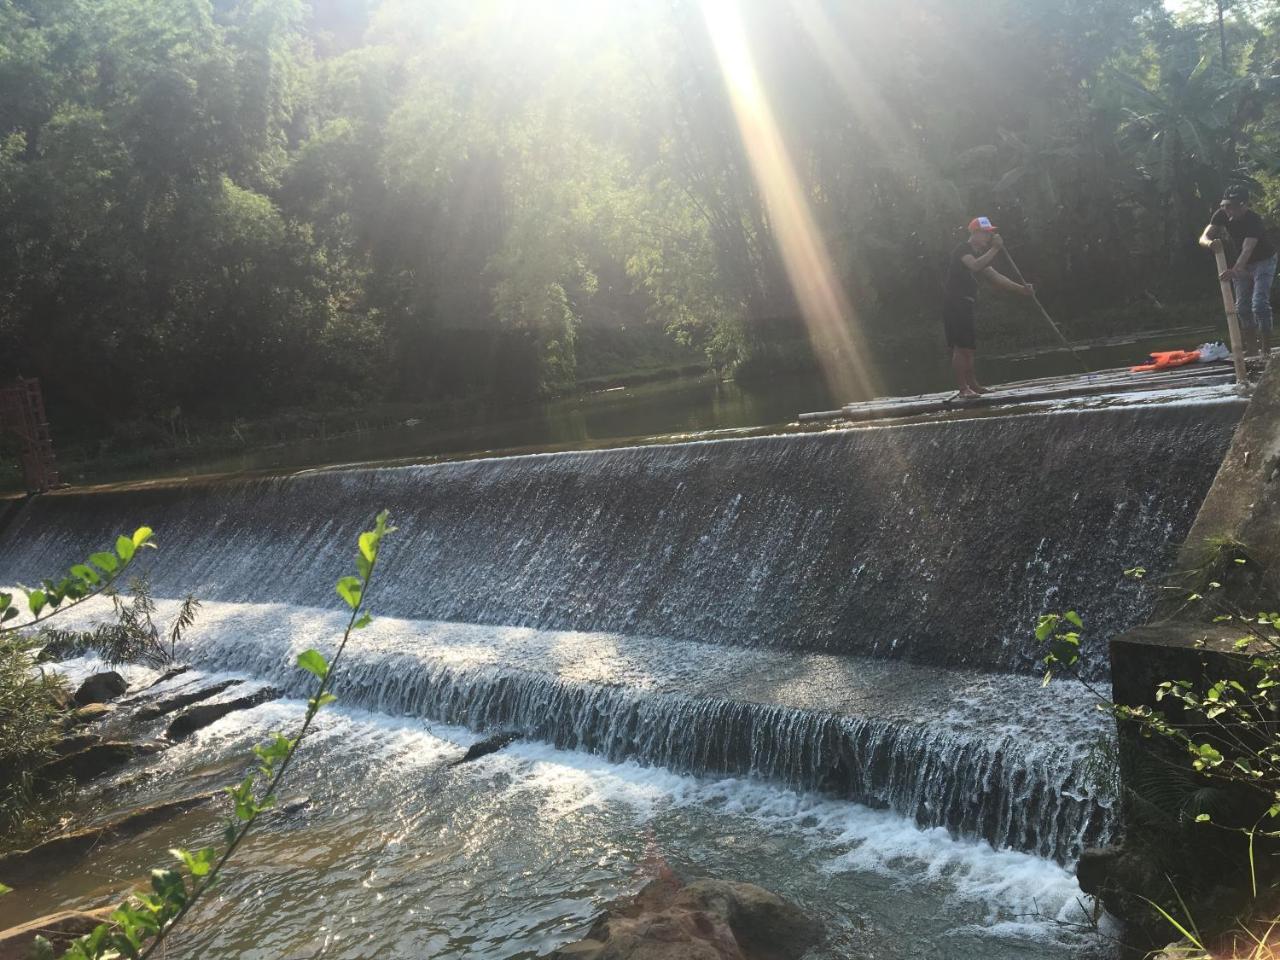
(667, 410)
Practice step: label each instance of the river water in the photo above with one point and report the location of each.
(670, 410)
(798, 660)
(397, 854)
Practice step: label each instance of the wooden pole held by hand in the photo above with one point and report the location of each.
(1233, 318)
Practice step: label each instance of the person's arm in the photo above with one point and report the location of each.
(1214, 230)
(980, 264)
(1004, 283)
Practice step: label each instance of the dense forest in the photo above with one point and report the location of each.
(216, 208)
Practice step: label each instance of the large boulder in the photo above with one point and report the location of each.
(100, 688)
(765, 926)
(702, 920)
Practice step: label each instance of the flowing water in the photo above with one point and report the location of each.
(397, 854)
(797, 660)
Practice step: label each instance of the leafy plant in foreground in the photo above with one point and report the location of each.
(31, 702)
(131, 635)
(139, 927)
(83, 581)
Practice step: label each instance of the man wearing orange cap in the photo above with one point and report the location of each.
(960, 300)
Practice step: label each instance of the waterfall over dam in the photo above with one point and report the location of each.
(817, 609)
(936, 543)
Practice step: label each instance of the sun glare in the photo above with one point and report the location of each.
(828, 314)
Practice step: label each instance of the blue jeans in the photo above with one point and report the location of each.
(1253, 295)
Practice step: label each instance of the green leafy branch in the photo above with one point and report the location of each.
(83, 582)
(138, 928)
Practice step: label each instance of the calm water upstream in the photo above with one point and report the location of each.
(667, 409)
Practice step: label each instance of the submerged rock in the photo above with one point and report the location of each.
(100, 688)
(58, 928)
(27, 866)
(702, 920)
(147, 691)
(75, 743)
(197, 718)
(90, 713)
(178, 701)
(91, 761)
(487, 746)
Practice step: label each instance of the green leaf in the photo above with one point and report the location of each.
(36, 601)
(369, 545)
(125, 548)
(5, 600)
(4, 889)
(41, 949)
(314, 663)
(1202, 818)
(350, 589)
(276, 749)
(8, 614)
(1047, 624)
(364, 621)
(364, 568)
(198, 863)
(142, 537)
(170, 886)
(1074, 618)
(324, 700)
(105, 561)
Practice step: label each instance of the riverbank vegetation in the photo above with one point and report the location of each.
(34, 704)
(1199, 769)
(210, 211)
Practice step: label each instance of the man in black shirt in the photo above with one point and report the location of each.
(1255, 266)
(960, 298)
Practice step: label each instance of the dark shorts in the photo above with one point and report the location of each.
(958, 321)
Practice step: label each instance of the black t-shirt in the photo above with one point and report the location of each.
(1248, 224)
(961, 281)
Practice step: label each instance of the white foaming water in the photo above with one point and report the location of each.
(980, 755)
(993, 895)
(843, 838)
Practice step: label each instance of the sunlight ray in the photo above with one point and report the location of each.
(829, 316)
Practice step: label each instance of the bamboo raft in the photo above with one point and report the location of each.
(1113, 381)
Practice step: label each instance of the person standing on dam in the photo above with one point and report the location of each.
(960, 298)
(1255, 267)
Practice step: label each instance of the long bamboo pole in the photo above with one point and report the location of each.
(1233, 318)
(1045, 313)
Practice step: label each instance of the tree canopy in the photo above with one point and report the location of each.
(225, 206)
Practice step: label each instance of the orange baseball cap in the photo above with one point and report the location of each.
(981, 225)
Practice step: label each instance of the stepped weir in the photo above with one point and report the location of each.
(847, 611)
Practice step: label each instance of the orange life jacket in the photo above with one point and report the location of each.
(1167, 359)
